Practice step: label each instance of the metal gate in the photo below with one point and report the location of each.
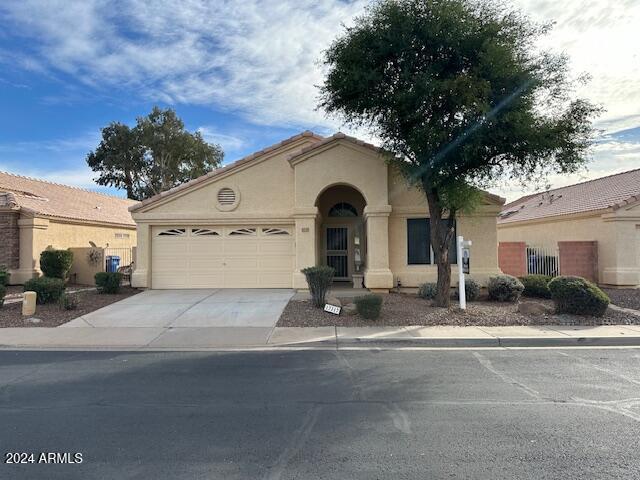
(337, 249)
(543, 261)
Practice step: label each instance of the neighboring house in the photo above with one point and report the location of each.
(35, 214)
(305, 201)
(595, 222)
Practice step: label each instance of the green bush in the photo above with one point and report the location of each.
(3, 292)
(319, 279)
(56, 263)
(578, 296)
(505, 288)
(48, 290)
(108, 282)
(536, 286)
(369, 306)
(471, 289)
(68, 302)
(427, 291)
(4, 275)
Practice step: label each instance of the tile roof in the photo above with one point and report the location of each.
(611, 192)
(333, 138)
(226, 168)
(54, 200)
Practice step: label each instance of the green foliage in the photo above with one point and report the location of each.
(471, 289)
(578, 296)
(4, 275)
(505, 288)
(369, 306)
(3, 292)
(48, 289)
(319, 279)
(108, 282)
(56, 263)
(155, 155)
(69, 302)
(427, 291)
(461, 97)
(536, 286)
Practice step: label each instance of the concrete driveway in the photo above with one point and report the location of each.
(194, 317)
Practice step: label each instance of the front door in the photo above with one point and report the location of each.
(337, 251)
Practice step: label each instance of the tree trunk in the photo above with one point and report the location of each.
(441, 235)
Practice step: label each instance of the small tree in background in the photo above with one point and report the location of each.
(155, 155)
(457, 92)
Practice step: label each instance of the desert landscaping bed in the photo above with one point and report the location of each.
(624, 297)
(52, 314)
(404, 309)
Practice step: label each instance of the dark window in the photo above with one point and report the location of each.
(419, 242)
(343, 209)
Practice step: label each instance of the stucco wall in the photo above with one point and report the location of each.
(36, 234)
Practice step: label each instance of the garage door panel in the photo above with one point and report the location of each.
(216, 257)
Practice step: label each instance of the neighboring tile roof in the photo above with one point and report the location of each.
(610, 192)
(226, 168)
(54, 200)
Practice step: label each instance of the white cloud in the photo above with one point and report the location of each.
(229, 143)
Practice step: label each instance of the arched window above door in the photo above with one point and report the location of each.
(343, 209)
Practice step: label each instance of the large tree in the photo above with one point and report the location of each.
(459, 94)
(155, 155)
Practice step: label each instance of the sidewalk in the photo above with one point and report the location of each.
(230, 338)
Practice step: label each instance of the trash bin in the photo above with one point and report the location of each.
(113, 262)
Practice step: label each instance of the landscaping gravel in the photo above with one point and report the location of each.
(624, 297)
(404, 309)
(53, 314)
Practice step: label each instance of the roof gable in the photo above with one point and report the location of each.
(329, 142)
(214, 175)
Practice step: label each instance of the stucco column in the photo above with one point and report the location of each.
(140, 275)
(377, 275)
(306, 238)
(32, 242)
(619, 258)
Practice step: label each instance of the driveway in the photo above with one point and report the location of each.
(193, 317)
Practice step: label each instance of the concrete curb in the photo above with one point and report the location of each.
(505, 342)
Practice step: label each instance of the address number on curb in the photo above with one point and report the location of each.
(332, 309)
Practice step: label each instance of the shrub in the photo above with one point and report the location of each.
(4, 275)
(3, 292)
(68, 302)
(579, 296)
(427, 291)
(505, 288)
(108, 282)
(56, 263)
(471, 289)
(48, 290)
(319, 280)
(536, 286)
(369, 306)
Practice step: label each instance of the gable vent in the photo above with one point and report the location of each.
(226, 196)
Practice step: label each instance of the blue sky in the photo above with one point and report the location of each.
(244, 73)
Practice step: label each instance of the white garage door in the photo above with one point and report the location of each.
(222, 257)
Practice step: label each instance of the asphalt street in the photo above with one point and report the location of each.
(369, 414)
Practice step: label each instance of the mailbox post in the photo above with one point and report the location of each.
(463, 257)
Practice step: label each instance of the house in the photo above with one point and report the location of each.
(36, 214)
(305, 201)
(595, 225)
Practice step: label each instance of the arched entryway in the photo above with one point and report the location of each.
(341, 232)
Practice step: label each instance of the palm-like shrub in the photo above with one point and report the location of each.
(319, 280)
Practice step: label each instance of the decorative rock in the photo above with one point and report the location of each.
(534, 308)
(29, 303)
(333, 301)
(349, 309)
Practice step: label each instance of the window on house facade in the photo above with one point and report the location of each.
(419, 251)
(122, 235)
(343, 209)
